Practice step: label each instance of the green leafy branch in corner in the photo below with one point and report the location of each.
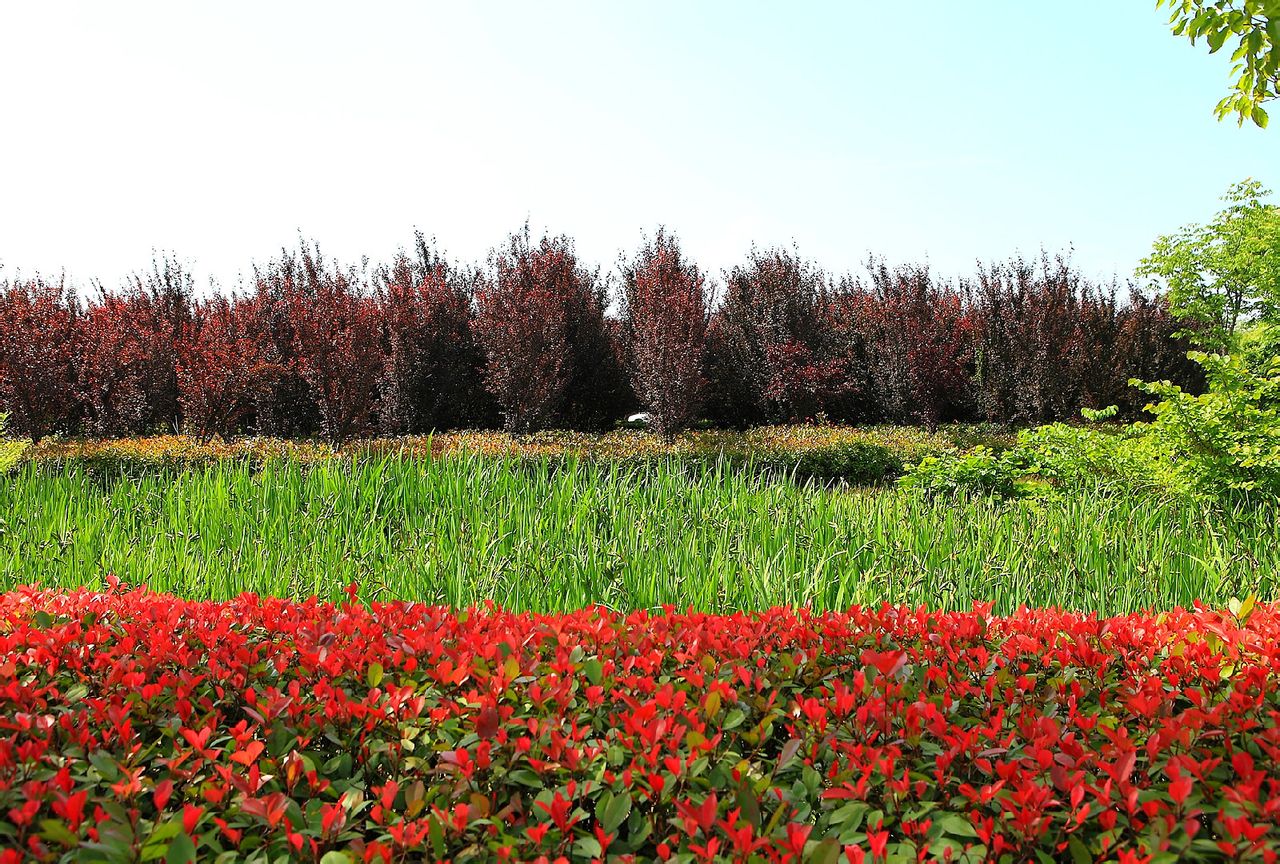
(1255, 25)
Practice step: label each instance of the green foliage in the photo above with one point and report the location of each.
(538, 536)
(1224, 275)
(1218, 445)
(1227, 440)
(1005, 474)
(1255, 25)
(10, 451)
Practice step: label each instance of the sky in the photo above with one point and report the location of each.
(951, 133)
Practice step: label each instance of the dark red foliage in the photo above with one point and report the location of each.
(110, 374)
(337, 345)
(552, 358)
(770, 351)
(664, 319)
(160, 309)
(432, 378)
(139, 726)
(221, 369)
(919, 333)
(318, 348)
(38, 328)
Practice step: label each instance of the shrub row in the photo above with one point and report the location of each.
(855, 455)
(313, 347)
(139, 726)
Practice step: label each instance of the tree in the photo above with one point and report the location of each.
(1224, 275)
(220, 367)
(770, 353)
(1255, 25)
(665, 325)
(522, 321)
(337, 343)
(38, 328)
(432, 374)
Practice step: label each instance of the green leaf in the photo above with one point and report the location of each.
(181, 851)
(615, 812)
(333, 856)
(594, 670)
(1080, 853)
(374, 674)
(53, 829)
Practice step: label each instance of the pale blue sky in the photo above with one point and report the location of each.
(939, 130)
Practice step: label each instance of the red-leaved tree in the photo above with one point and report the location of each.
(523, 321)
(110, 368)
(221, 369)
(337, 340)
(770, 351)
(38, 327)
(921, 337)
(432, 378)
(664, 322)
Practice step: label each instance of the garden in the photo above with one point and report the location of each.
(531, 560)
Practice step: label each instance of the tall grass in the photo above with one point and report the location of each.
(528, 535)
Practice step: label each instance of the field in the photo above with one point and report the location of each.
(556, 535)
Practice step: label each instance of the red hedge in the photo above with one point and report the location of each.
(137, 725)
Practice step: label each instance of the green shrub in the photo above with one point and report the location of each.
(1225, 441)
(10, 450)
(982, 470)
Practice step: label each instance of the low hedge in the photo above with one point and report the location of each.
(139, 726)
(825, 453)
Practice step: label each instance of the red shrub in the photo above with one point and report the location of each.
(665, 324)
(776, 313)
(220, 367)
(551, 355)
(160, 309)
(110, 369)
(141, 726)
(432, 377)
(38, 325)
(321, 326)
(920, 336)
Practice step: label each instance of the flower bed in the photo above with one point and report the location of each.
(138, 726)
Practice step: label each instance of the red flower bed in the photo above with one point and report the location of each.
(138, 726)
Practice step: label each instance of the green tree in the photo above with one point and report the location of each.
(1223, 277)
(1255, 25)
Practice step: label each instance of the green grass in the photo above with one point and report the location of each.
(466, 529)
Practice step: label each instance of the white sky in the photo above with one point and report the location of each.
(218, 131)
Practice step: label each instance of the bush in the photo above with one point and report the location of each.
(142, 726)
(920, 334)
(1227, 440)
(432, 377)
(110, 371)
(552, 358)
(770, 357)
(221, 369)
(337, 341)
(38, 339)
(664, 319)
(981, 470)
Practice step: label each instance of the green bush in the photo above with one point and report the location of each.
(1227, 440)
(1006, 474)
(10, 451)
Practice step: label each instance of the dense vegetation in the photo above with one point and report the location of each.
(558, 536)
(311, 347)
(890, 675)
(145, 726)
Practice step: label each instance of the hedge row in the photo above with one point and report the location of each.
(854, 455)
(533, 342)
(139, 726)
